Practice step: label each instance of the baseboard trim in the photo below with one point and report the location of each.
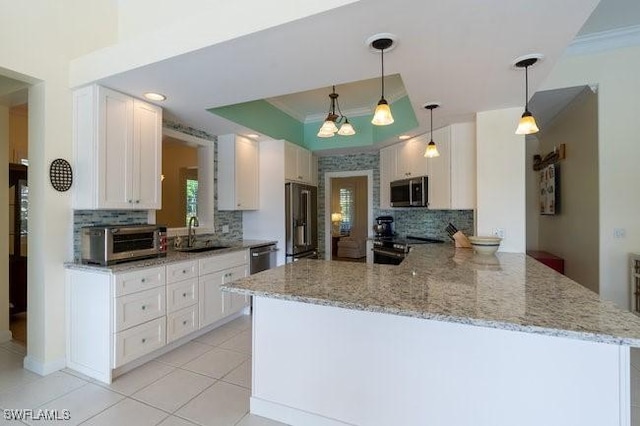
(5, 336)
(44, 368)
(290, 415)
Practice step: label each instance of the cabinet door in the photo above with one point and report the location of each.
(115, 141)
(410, 161)
(290, 161)
(210, 298)
(387, 173)
(247, 172)
(304, 165)
(147, 155)
(232, 302)
(440, 171)
(463, 166)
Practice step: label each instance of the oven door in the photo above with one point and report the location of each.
(387, 257)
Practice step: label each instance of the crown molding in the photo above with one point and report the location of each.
(284, 108)
(604, 40)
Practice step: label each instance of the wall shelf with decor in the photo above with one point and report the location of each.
(634, 262)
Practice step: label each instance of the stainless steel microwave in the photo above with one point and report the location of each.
(109, 244)
(412, 192)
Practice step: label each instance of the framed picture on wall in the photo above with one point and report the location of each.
(549, 190)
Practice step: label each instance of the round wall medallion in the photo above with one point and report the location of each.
(60, 174)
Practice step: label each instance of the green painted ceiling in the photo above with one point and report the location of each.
(264, 118)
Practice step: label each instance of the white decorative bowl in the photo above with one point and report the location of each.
(485, 245)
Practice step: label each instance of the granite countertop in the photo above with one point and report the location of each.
(508, 291)
(173, 256)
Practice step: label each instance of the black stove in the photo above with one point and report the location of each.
(392, 250)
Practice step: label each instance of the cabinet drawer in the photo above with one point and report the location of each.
(137, 308)
(182, 271)
(223, 261)
(137, 341)
(182, 294)
(132, 282)
(181, 323)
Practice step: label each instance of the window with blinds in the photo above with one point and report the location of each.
(347, 200)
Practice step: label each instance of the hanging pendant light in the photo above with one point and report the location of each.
(382, 116)
(329, 128)
(527, 124)
(432, 149)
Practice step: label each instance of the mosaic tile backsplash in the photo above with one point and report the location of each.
(408, 221)
(124, 217)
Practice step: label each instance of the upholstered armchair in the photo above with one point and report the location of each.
(354, 246)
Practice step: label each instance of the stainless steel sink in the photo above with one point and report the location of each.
(199, 249)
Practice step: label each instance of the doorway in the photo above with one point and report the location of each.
(14, 141)
(348, 214)
(18, 231)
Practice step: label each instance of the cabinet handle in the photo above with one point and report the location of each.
(144, 340)
(184, 271)
(129, 201)
(142, 280)
(184, 322)
(137, 201)
(300, 177)
(184, 294)
(238, 204)
(144, 307)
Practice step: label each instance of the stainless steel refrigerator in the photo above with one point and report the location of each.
(301, 221)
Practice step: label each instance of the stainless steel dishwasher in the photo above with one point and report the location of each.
(262, 258)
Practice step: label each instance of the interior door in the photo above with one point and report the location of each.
(18, 231)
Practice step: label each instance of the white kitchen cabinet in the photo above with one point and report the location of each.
(117, 151)
(238, 171)
(114, 319)
(299, 164)
(440, 171)
(387, 172)
(215, 272)
(410, 159)
(452, 175)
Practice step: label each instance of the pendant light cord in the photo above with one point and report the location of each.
(382, 75)
(431, 125)
(526, 88)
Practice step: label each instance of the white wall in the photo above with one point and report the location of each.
(532, 194)
(148, 33)
(616, 74)
(501, 177)
(37, 47)
(4, 225)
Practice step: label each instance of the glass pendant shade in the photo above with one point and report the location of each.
(432, 150)
(325, 134)
(527, 125)
(329, 126)
(346, 129)
(382, 115)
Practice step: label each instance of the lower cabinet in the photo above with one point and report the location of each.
(116, 318)
(214, 303)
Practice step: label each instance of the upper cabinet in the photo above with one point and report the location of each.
(238, 171)
(299, 164)
(410, 160)
(117, 151)
(452, 175)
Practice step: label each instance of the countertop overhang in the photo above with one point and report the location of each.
(508, 291)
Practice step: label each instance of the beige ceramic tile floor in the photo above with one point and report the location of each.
(204, 382)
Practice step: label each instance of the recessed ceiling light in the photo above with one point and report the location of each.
(404, 137)
(153, 96)
(253, 136)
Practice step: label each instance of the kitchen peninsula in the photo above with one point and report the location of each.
(445, 338)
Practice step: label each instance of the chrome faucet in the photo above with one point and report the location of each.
(193, 223)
